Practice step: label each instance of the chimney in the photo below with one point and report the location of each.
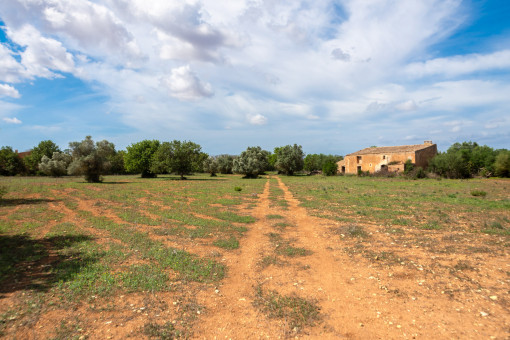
(16, 151)
(429, 142)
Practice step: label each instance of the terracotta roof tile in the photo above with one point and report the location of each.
(390, 149)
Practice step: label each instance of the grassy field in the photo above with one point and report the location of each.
(67, 245)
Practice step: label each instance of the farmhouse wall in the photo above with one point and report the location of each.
(391, 158)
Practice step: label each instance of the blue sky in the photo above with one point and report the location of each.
(333, 76)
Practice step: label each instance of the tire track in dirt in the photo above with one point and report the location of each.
(230, 313)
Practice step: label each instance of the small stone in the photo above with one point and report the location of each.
(216, 291)
(484, 314)
(493, 297)
(398, 326)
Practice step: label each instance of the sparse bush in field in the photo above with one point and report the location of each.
(56, 166)
(3, 191)
(89, 159)
(480, 193)
(252, 162)
(238, 188)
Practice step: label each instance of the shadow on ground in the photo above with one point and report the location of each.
(27, 263)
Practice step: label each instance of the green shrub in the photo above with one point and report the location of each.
(238, 188)
(3, 191)
(330, 168)
(480, 193)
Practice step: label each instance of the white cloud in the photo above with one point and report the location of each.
(183, 84)
(12, 120)
(257, 119)
(459, 65)
(8, 91)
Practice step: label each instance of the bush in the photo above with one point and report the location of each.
(330, 168)
(478, 193)
(3, 191)
(56, 166)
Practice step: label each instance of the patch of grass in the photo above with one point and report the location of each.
(281, 225)
(269, 260)
(274, 217)
(148, 278)
(478, 193)
(463, 266)
(291, 251)
(495, 228)
(163, 332)
(431, 226)
(238, 189)
(297, 312)
(230, 243)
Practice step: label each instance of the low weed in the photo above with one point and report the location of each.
(352, 230)
(274, 217)
(431, 226)
(297, 312)
(163, 332)
(478, 193)
(230, 243)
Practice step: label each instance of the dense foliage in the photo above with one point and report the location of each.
(211, 166)
(225, 164)
(44, 148)
(502, 164)
(316, 162)
(252, 162)
(89, 159)
(176, 157)
(139, 156)
(289, 159)
(464, 160)
(10, 162)
(56, 166)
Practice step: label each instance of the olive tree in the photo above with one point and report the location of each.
(502, 164)
(210, 166)
(56, 166)
(225, 163)
(252, 162)
(139, 156)
(289, 159)
(90, 159)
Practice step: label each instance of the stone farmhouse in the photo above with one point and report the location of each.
(390, 158)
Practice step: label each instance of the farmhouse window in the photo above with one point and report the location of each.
(384, 157)
(358, 159)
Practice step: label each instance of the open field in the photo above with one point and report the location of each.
(310, 257)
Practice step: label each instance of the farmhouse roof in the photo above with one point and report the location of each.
(390, 149)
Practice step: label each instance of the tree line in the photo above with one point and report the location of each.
(151, 157)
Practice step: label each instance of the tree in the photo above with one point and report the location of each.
(252, 162)
(56, 166)
(176, 157)
(502, 164)
(225, 164)
(10, 162)
(117, 163)
(89, 159)
(139, 157)
(211, 166)
(198, 163)
(44, 148)
(464, 160)
(289, 159)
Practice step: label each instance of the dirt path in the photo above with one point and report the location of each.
(357, 299)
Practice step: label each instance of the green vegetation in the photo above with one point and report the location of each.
(289, 159)
(139, 157)
(10, 163)
(56, 166)
(252, 162)
(297, 312)
(176, 157)
(89, 159)
(45, 148)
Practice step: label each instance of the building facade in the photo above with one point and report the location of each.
(390, 158)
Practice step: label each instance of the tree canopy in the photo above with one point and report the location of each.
(89, 159)
(10, 162)
(55, 166)
(252, 162)
(139, 157)
(289, 159)
(176, 157)
(44, 148)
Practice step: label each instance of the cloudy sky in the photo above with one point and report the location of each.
(332, 75)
